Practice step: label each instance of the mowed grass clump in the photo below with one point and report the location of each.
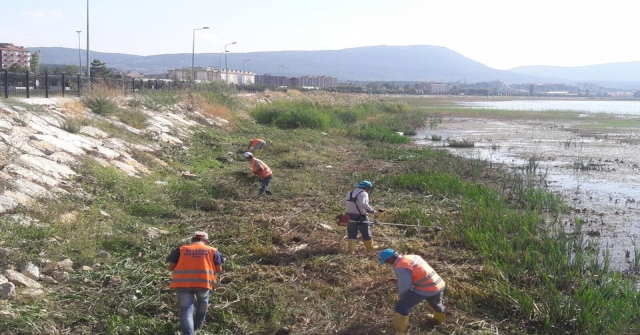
(286, 269)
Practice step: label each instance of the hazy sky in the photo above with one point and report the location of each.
(502, 34)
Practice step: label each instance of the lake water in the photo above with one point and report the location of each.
(590, 106)
(607, 199)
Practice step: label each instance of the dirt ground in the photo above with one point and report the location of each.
(604, 193)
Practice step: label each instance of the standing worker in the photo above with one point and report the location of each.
(357, 203)
(417, 281)
(194, 267)
(256, 145)
(262, 170)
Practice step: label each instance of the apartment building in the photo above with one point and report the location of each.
(11, 54)
(211, 74)
(317, 81)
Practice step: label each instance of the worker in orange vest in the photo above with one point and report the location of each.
(256, 145)
(417, 281)
(195, 268)
(262, 170)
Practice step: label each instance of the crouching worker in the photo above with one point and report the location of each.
(194, 267)
(357, 208)
(262, 170)
(417, 281)
(256, 145)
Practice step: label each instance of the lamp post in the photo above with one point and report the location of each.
(193, 50)
(88, 67)
(226, 68)
(244, 61)
(79, 54)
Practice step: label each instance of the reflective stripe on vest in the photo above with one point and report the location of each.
(260, 169)
(195, 268)
(423, 277)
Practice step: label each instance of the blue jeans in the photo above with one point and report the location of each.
(358, 227)
(405, 304)
(186, 299)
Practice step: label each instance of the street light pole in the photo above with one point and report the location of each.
(79, 53)
(88, 67)
(193, 50)
(226, 68)
(244, 61)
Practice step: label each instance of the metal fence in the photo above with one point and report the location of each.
(28, 85)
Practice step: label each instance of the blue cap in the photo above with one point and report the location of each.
(365, 184)
(386, 254)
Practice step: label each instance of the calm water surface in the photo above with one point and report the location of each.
(589, 106)
(611, 197)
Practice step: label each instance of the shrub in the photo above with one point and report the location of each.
(378, 133)
(101, 100)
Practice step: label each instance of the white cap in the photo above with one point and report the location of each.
(202, 235)
(248, 154)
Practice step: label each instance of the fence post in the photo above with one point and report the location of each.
(46, 84)
(6, 83)
(133, 85)
(63, 85)
(156, 85)
(79, 84)
(27, 78)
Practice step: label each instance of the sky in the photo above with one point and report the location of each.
(501, 34)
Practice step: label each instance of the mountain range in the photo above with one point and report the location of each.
(376, 63)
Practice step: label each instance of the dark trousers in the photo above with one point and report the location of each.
(265, 184)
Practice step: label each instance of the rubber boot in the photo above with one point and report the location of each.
(352, 246)
(400, 322)
(439, 317)
(368, 245)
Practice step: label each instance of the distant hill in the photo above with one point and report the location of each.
(377, 63)
(621, 75)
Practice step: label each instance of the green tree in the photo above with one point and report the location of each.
(99, 69)
(71, 69)
(15, 67)
(35, 62)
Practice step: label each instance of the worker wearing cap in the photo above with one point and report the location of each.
(256, 145)
(357, 203)
(195, 268)
(262, 170)
(417, 281)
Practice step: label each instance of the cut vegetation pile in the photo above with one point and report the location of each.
(508, 268)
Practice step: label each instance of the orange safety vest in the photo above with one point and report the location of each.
(260, 168)
(423, 277)
(255, 142)
(195, 268)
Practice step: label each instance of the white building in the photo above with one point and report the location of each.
(211, 74)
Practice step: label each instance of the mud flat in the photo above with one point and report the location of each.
(591, 160)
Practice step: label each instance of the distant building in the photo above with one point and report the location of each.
(433, 88)
(211, 74)
(271, 81)
(317, 81)
(11, 54)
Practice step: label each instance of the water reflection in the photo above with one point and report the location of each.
(605, 195)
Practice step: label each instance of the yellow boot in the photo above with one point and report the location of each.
(439, 317)
(368, 245)
(400, 322)
(352, 246)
